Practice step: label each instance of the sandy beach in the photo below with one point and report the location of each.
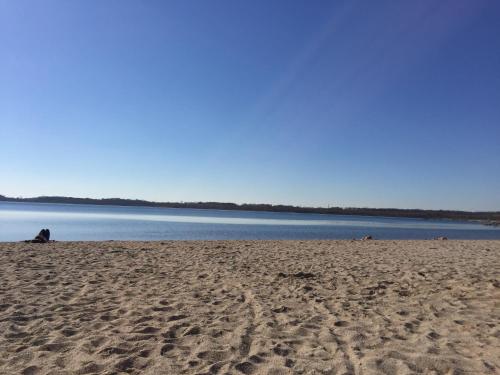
(250, 307)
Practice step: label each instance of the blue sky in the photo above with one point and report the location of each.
(348, 103)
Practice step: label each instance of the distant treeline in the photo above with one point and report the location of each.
(487, 217)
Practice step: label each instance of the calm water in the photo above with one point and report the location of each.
(19, 221)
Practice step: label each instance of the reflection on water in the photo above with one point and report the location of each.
(360, 222)
(89, 222)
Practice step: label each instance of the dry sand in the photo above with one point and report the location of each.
(251, 307)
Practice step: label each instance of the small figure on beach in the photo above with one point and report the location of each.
(42, 237)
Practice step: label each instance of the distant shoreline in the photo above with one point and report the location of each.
(485, 217)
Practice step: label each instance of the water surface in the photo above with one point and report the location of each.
(19, 221)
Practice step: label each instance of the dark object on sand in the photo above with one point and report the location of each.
(42, 237)
(441, 238)
(366, 238)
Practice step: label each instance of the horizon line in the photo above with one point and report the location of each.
(329, 207)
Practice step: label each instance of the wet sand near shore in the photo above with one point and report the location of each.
(250, 307)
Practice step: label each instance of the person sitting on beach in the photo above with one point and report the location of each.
(42, 237)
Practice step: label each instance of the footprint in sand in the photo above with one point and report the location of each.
(31, 370)
(166, 348)
(245, 367)
(147, 330)
(112, 351)
(90, 368)
(125, 364)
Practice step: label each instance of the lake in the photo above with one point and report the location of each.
(20, 221)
